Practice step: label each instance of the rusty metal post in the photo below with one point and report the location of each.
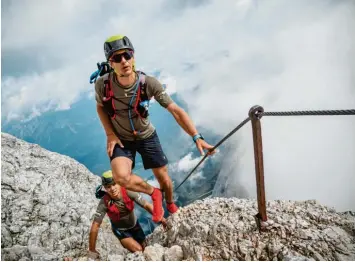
(254, 114)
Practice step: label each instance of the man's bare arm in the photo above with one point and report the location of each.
(105, 120)
(182, 118)
(149, 207)
(94, 231)
(112, 139)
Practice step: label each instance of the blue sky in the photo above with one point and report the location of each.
(221, 58)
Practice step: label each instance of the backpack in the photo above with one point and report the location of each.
(142, 101)
(112, 210)
(141, 104)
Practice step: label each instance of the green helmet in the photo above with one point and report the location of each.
(115, 43)
(107, 178)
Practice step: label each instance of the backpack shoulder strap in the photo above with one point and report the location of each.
(141, 75)
(105, 76)
(143, 86)
(106, 199)
(126, 199)
(124, 194)
(107, 85)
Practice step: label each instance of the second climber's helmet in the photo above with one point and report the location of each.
(107, 178)
(116, 43)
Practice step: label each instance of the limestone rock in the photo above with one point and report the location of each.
(174, 253)
(136, 256)
(47, 202)
(225, 229)
(154, 252)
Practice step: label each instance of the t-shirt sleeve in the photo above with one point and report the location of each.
(156, 90)
(101, 211)
(136, 197)
(99, 90)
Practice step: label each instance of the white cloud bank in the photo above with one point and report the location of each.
(223, 57)
(184, 166)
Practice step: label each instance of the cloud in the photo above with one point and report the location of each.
(184, 166)
(31, 95)
(298, 67)
(187, 163)
(221, 58)
(41, 23)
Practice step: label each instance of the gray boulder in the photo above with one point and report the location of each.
(225, 229)
(47, 202)
(174, 253)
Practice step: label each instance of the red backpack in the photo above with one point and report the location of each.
(140, 105)
(112, 210)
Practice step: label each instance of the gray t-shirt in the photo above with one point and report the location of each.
(121, 123)
(127, 218)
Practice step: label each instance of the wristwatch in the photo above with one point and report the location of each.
(195, 137)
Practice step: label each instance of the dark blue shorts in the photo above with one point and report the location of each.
(136, 233)
(150, 150)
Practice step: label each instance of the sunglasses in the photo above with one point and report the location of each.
(118, 58)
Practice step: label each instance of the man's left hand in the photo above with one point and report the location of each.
(164, 223)
(202, 145)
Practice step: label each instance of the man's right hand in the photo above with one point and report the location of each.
(112, 140)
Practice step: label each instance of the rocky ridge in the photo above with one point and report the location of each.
(225, 229)
(47, 201)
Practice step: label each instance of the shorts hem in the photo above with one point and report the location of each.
(155, 166)
(115, 156)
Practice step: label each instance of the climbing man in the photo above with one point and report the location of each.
(118, 204)
(122, 97)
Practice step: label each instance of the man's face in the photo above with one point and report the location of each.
(113, 190)
(122, 62)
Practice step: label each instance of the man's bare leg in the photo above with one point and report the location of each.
(122, 174)
(131, 244)
(161, 174)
